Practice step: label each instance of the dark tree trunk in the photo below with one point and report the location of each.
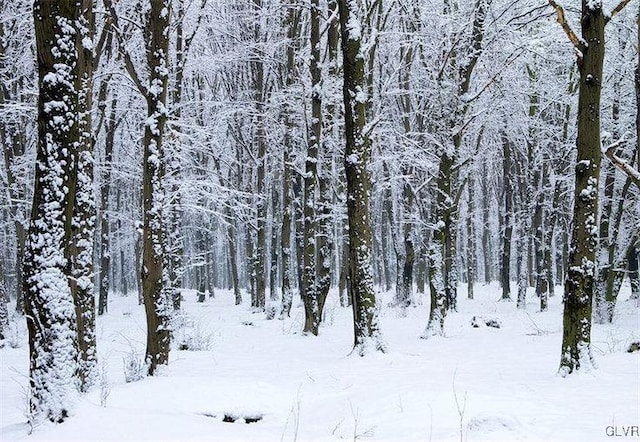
(154, 274)
(357, 157)
(105, 249)
(233, 261)
(606, 247)
(275, 245)
(576, 340)
(409, 248)
(471, 240)
(310, 289)
(288, 271)
(505, 278)
(4, 300)
(486, 235)
(260, 253)
(634, 276)
(81, 203)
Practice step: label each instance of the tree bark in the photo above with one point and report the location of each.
(49, 303)
(288, 271)
(505, 278)
(154, 276)
(105, 251)
(576, 340)
(357, 157)
(310, 289)
(81, 204)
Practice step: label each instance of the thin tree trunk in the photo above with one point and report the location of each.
(310, 289)
(508, 223)
(471, 239)
(486, 235)
(105, 246)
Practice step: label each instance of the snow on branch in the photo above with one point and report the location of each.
(577, 42)
(628, 169)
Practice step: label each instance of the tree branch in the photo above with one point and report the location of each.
(577, 42)
(128, 62)
(617, 9)
(628, 169)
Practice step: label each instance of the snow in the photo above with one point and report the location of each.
(503, 381)
(594, 4)
(353, 23)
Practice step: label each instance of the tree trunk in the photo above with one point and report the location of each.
(154, 277)
(606, 246)
(325, 176)
(357, 157)
(325, 230)
(310, 289)
(471, 239)
(105, 250)
(486, 234)
(505, 278)
(233, 258)
(288, 271)
(547, 265)
(260, 253)
(81, 202)
(634, 276)
(49, 304)
(409, 248)
(273, 270)
(4, 300)
(576, 339)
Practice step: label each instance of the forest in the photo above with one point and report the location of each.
(330, 219)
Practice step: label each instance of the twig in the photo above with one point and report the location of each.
(461, 408)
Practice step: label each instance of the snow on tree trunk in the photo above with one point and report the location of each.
(288, 270)
(576, 340)
(309, 280)
(357, 156)
(4, 312)
(154, 274)
(49, 304)
(438, 310)
(81, 204)
(634, 275)
(105, 252)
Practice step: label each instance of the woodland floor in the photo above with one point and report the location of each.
(311, 388)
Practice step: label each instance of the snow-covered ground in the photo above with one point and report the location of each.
(474, 384)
